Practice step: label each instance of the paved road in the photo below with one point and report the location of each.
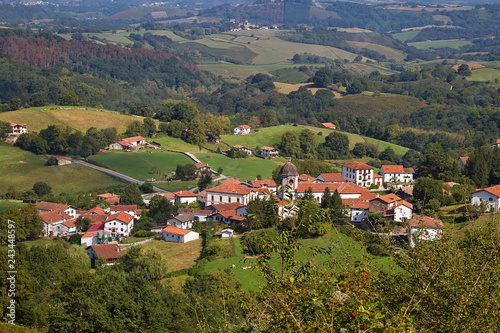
(115, 174)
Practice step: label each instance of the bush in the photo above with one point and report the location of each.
(51, 161)
(377, 250)
(145, 233)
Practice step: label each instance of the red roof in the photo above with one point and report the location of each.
(388, 198)
(125, 143)
(169, 196)
(234, 181)
(356, 203)
(14, 124)
(224, 207)
(267, 148)
(54, 216)
(108, 195)
(44, 205)
(425, 222)
(230, 188)
(393, 169)
(121, 216)
(342, 188)
(464, 159)
(134, 139)
(306, 178)
(333, 177)
(376, 175)
(403, 203)
(356, 165)
(96, 226)
(186, 194)
(495, 190)
(194, 211)
(121, 208)
(329, 125)
(263, 183)
(200, 165)
(95, 217)
(176, 231)
(108, 251)
(70, 223)
(244, 126)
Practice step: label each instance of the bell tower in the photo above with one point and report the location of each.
(289, 177)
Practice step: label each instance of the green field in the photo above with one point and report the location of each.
(76, 118)
(390, 53)
(453, 43)
(141, 165)
(177, 186)
(241, 168)
(484, 75)
(21, 169)
(404, 36)
(176, 144)
(7, 204)
(382, 145)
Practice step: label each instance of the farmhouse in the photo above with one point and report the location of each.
(44, 206)
(186, 197)
(201, 168)
(62, 160)
(393, 207)
(359, 209)
(119, 224)
(329, 125)
(177, 235)
(396, 174)
(110, 252)
(424, 228)
(52, 220)
(184, 221)
(230, 193)
(242, 130)
(331, 178)
(269, 151)
(113, 199)
(226, 233)
(242, 148)
(201, 214)
(17, 129)
(358, 172)
(128, 143)
(488, 197)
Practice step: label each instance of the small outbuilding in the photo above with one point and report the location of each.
(178, 235)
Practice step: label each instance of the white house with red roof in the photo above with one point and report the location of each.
(201, 168)
(178, 235)
(267, 151)
(128, 143)
(110, 252)
(396, 174)
(358, 172)
(306, 178)
(242, 130)
(113, 199)
(359, 209)
(489, 197)
(45, 206)
(119, 224)
(329, 125)
(201, 214)
(247, 150)
(424, 228)
(393, 207)
(265, 184)
(331, 178)
(17, 129)
(230, 193)
(129, 209)
(52, 221)
(186, 197)
(184, 221)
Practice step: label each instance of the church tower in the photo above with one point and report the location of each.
(289, 177)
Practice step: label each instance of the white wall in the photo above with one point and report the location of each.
(423, 234)
(483, 196)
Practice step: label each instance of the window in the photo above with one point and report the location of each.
(491, 199)
(212, 198)
(220, 198)
(228, 199)
(238, 200)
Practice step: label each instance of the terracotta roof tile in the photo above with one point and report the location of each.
(169, 196)
(70, 223)
(267, 148)
(54, 216)
(356, 165)
(108, 251)
(234, 181)
(200, 165)
(223, 207)
(389, 198)
(133, 139)
(121, 216)
(464, 159)
(332, 177)
(44, 205)
(96, 226)
(121, 208)
(425, 222)
(306, 178)
(392, 168)
(495, 190)
(194, 211)
(263, 183)
(176, 231)
(108, 195)
(356, 203)
(230, 188)
(182, 194)
(244, 126)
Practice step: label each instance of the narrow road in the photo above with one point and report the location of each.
(115, 174)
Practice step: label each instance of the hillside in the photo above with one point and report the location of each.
(76, 118)
(21, 169)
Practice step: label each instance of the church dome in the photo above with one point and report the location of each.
(289, 169)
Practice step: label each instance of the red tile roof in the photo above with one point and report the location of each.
(267, 148)
(356, 203)
(425, 222)
(392, 168)
(44, 205)
(227, 213)
(121, 208)
(176, 231)
(234, 181)
(495, 190)
(230, 188)
(263, 183)
(306, 178)
(96, 210)
(54, 216)
(376, 175)
(333, 177)
(14, 124)
(329, 125)
(356, 165)
(95, 217)
(70, 223)
(169, 196)
(121, 216)
(185, 194)
(108, 251)
(342, 188)
(133, 139)
(388, 198)
(108, 195)
(96, 226)
(244, 126)
(403, 203)
(464, 159)
(194, 211)
(200, 165)
(224, 207)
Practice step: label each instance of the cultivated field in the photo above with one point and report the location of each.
(142, 165)
(404, 36)
(7, 204)
(76, 118)
(484, 75)
(453, 43)
(241, 168)
(177, 255)
(21, 169)
(389, 52)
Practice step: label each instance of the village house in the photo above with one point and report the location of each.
(184, 221)
(95, 236)
(128, 143)
(110, 252)
(463, 162)
(52, 220)
(201, 214)
(44, 206)
(158, 229)
(178, 235)
(119, 224)
(378, 179)
(242, 148)
(306, 178)
(331, 178)
(129, 209)
(230, 193)
(227, 216)
(17, 129)
(113, 199)
(269, 151)
(329, 125)
(424, 228)
(358, 172)
(225, 233)
(396, 174)
(201, 169)
(186, 197)
(359, 209)
(393, 207)
(242, 130)
(487, 197)
(241, 210)
(265, 184)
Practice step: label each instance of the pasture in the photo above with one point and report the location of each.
(21, 169)
(80, 119)
(6, 204)
(404, 36)
(241, 168)
(390, 53)
(484, 75)
(452, 43)
(176, 144)
(143, 164)
(382, 145)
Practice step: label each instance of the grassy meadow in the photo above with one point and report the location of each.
(76, 118)
(484, 75)
(176, 144)
(389, 52)
(143, 164)
(382, 145)
(242, 168)
(452, 43)
(407, 35)
(21, 169)
(6, 204)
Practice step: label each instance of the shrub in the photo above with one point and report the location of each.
(377, 250)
